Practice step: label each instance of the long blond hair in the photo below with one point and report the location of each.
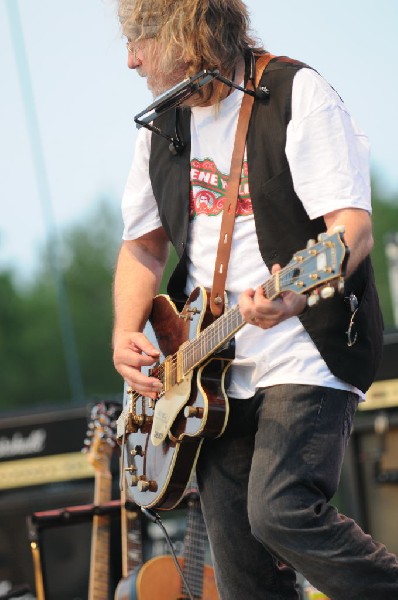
(209, 34)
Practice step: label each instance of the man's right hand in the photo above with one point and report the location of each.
(132, 352)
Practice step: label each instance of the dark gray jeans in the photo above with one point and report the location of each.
(265, 485)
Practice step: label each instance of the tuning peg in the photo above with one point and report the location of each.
(340, 285)
(313, 299)
(327, 292)
(339, 229)
(322, 237)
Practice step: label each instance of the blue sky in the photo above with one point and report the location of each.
(84, 98)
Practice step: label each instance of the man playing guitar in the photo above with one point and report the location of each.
(297, 375)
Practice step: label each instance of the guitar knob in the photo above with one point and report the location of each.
(193, 411)
(137, 451)
(144, 485)
(136, 422)
(327, 292)
(130, 469)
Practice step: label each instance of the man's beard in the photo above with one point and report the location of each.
(159, 82)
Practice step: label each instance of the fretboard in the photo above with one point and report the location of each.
(134, 540)
(191, 354)
(99, 563)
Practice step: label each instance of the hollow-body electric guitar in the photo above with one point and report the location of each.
(163, 437)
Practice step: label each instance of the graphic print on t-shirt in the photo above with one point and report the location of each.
(208, 189)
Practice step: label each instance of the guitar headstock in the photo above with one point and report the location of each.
(100, 438)
(317, 270)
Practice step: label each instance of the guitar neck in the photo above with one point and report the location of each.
(194, 548)
(173, 370)
(134, 541)
(311, 268)
(100, 538)
(131, 538)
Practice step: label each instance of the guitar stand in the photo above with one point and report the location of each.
(54, 518)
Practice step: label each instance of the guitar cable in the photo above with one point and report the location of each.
(154, 518)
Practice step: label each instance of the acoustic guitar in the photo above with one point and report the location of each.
(158, 579)
(163, 437)
(99, 445)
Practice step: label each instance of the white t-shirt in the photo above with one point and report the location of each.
(329, 161)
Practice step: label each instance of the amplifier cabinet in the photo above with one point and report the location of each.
(369, 482)
(42, 468)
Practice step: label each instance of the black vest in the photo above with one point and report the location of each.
(282, 225)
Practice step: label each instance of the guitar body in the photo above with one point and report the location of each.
(127, 587)
(159, 579)
(167, 466)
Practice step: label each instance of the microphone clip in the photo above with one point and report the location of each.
(178, 94)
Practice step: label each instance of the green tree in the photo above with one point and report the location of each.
(34, 365)
(92, 255)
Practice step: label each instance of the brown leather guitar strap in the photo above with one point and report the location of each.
(232, 193)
